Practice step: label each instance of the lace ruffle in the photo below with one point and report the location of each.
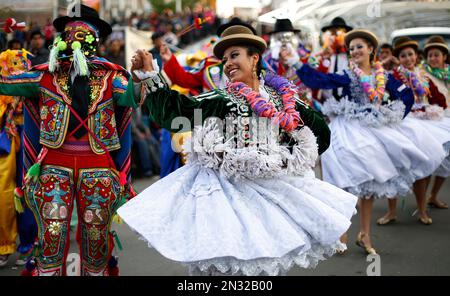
(447, 112)
(444, 169)
(262, 266)
(432, 112)
(266, 266)
(396, 187)
(212, 150)
(368, 114)
(360, 108)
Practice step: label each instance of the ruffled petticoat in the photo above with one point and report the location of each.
(432, 136)
(379, 162)
(444, 169)
(214, 223)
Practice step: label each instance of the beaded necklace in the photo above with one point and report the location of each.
(419, 86)
(288, 118)
(373, 93)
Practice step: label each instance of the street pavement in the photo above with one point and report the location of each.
(405, 247)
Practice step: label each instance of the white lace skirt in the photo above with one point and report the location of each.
(379, 162)
(200, 218)
(444, 126)
(433, 139)
(444, 169)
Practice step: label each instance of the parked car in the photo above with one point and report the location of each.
(421, 34)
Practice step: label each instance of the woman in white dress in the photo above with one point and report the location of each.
(241, 206)
(427, 113)
(438, 70)
(368, 155)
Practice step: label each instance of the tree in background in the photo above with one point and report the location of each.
(160, 5)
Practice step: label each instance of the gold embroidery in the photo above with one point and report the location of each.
(98, 87)
(61, 82)
(44, 112)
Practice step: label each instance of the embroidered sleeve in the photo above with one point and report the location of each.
(24, 85)
(152, 81)
(123, 91)
(120, 83)
(176, 112)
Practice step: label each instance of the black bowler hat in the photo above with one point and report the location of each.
(87, 14)
(284, 25)
(337, 22)
(234, 21)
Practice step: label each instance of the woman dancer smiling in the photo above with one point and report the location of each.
(241, 207)
(438, 71)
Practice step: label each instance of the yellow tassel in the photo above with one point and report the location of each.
(117, 219)
(18, 204)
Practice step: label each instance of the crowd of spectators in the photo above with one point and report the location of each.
(170, 23)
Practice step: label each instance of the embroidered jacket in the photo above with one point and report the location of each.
(230, 138)
(108, 87)
(166, 105)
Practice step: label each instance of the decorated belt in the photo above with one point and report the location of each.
(76, 145)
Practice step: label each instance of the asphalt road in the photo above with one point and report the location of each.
(405, 247)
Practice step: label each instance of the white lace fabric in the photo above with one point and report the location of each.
(431, 112)
(208, 147)
(205, 220)
(367, 114)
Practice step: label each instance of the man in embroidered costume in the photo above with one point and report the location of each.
(77, 139)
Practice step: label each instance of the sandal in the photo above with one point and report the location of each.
(386, 221)
(437, 204)
(360, 243)
(426, 221)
